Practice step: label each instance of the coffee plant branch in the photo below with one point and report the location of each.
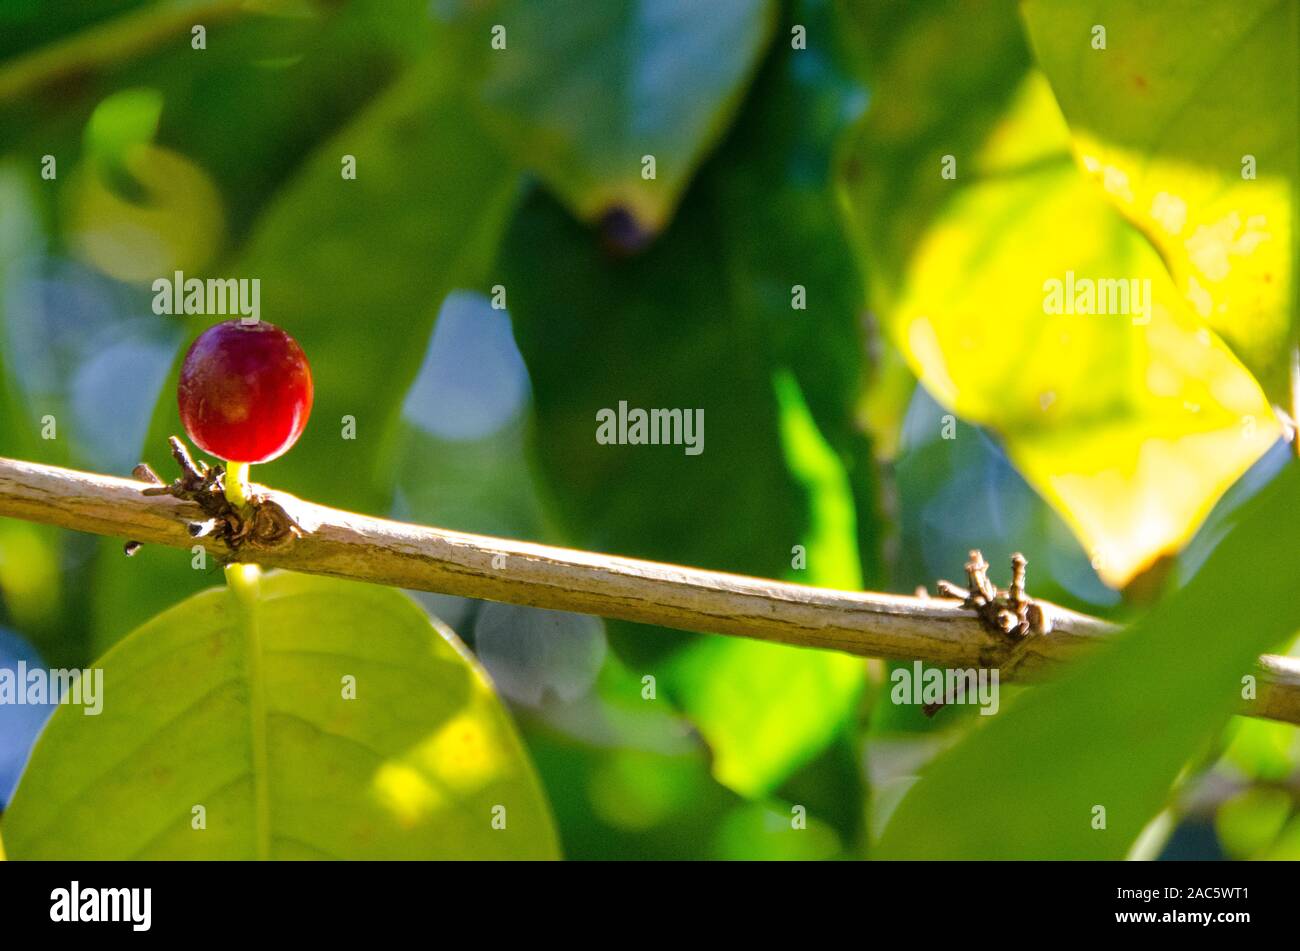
(362, 548)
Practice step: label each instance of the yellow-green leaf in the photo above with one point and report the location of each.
(329, 720)
(1131, 420)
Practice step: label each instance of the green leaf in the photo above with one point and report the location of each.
(1096, 410)
(767, 709)
(239, 707)
(764, 832)
(1115, 731)
(1187, 122)
(690, 324)
(764, 709)
(704, 319)
(656, 332)
(583, 91)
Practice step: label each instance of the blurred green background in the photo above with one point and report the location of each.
(502, 265)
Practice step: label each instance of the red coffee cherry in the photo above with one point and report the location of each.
(245, 391)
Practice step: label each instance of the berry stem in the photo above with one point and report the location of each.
(237, 484)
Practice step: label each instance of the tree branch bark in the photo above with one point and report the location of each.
(362, 548)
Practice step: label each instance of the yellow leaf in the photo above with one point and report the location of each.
(1187, 123)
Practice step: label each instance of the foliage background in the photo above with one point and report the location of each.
(1101, 448)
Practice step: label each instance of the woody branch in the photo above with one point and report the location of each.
(363, 548)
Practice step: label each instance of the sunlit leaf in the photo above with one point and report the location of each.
(1287, 846)
(30, 575)
(252, 721)
(1187, 121)
(1132, 419)
(1263, 749)
(122, 121)
(1252, 820)
(1114, 733)
(583, 92)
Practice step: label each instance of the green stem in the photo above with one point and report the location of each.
(237, 484)
(115, 42)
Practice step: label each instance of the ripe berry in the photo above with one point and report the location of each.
(245, 391)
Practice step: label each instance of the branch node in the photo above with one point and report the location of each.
(262, 525)
(1011, 614)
